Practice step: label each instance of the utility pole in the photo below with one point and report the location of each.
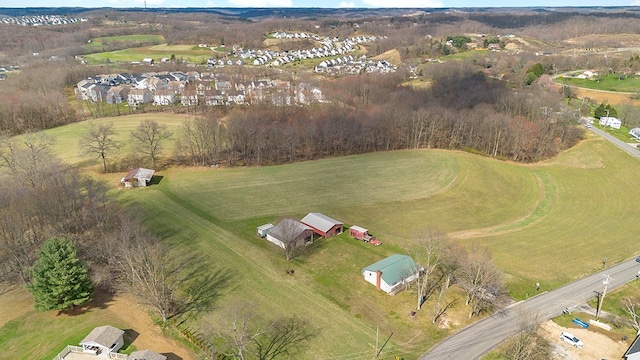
(383, 345)
(605, 282)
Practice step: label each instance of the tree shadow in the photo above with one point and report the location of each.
(130, 336)
(102, 298)
(204, 286)
(155, 180)
(171, 356)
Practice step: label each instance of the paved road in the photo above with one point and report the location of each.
(614, 140)
(479, 338)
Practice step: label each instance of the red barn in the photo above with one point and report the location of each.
(322, 224)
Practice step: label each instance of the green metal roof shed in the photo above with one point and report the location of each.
(390, 273)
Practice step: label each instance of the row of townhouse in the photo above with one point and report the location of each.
(196, 88)
(41, 20)
(329, 47)
(349, 65)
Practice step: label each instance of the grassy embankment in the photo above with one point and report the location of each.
(190, 53)
(550, 222)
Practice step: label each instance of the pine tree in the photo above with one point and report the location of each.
(59, 280)
(611, 111)
(600, 111)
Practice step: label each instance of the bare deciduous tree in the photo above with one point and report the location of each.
(431, 241)
(99, 141)
(198, 140)
(526, 343)
(149, 136)
(481, 281)
(249, 337)
(632, 308)
(290, 232)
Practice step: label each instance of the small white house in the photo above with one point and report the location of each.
(103, 340)
(610, 122)
(635, 132)
(138, 177)
(391, 273)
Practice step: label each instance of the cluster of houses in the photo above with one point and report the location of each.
(104, 342)
(389, 274)
(40, 20)
(193, 88)
(328, 47)
(348, 65)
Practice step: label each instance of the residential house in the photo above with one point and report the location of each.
(288, 230)
(189, 98)
(138, 177)
(609, 121)
(146, 355)
(323, 225)
(635, 132)
(163, 97)
(118, 94)
(389, 274)
(103, 340)
(633, 353)
(139, 96)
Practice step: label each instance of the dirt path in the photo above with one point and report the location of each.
(149, 334)
(597, 346)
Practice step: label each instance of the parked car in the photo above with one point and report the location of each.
(638, 259)
(571, 339)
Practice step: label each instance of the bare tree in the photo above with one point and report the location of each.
(199, 140)
(481, 281)
(29, 161)
(526, 343)
(252, 338)
(448, 265)
(150, 135)
(632, 307)
(291, 233)
(431, 242)
(99, 141)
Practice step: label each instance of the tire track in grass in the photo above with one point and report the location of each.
(205, 222)
(539, 210)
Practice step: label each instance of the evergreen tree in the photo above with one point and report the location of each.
(600, 111)
(611, 111)
(59, 280)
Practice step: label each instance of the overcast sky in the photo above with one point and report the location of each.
(314, 3)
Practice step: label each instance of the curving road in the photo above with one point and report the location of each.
(483, 336)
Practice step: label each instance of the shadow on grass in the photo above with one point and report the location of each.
(155, 180)
(130, 336)
(171, 356)
(102, 298)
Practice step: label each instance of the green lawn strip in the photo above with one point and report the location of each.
(44, 335)
(261, 279)
(157, 52)
(484, 194)
(589, 219)
(97, 44)
(67, 138)
(607, 82)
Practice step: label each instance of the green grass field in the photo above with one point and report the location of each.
(98, 44)
(607, 82)
(550, 222)
(188, 53)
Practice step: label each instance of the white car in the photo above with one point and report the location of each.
(571, 339)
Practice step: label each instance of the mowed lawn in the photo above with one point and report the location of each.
(550, 222)
(189, 53)
(67, 138)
